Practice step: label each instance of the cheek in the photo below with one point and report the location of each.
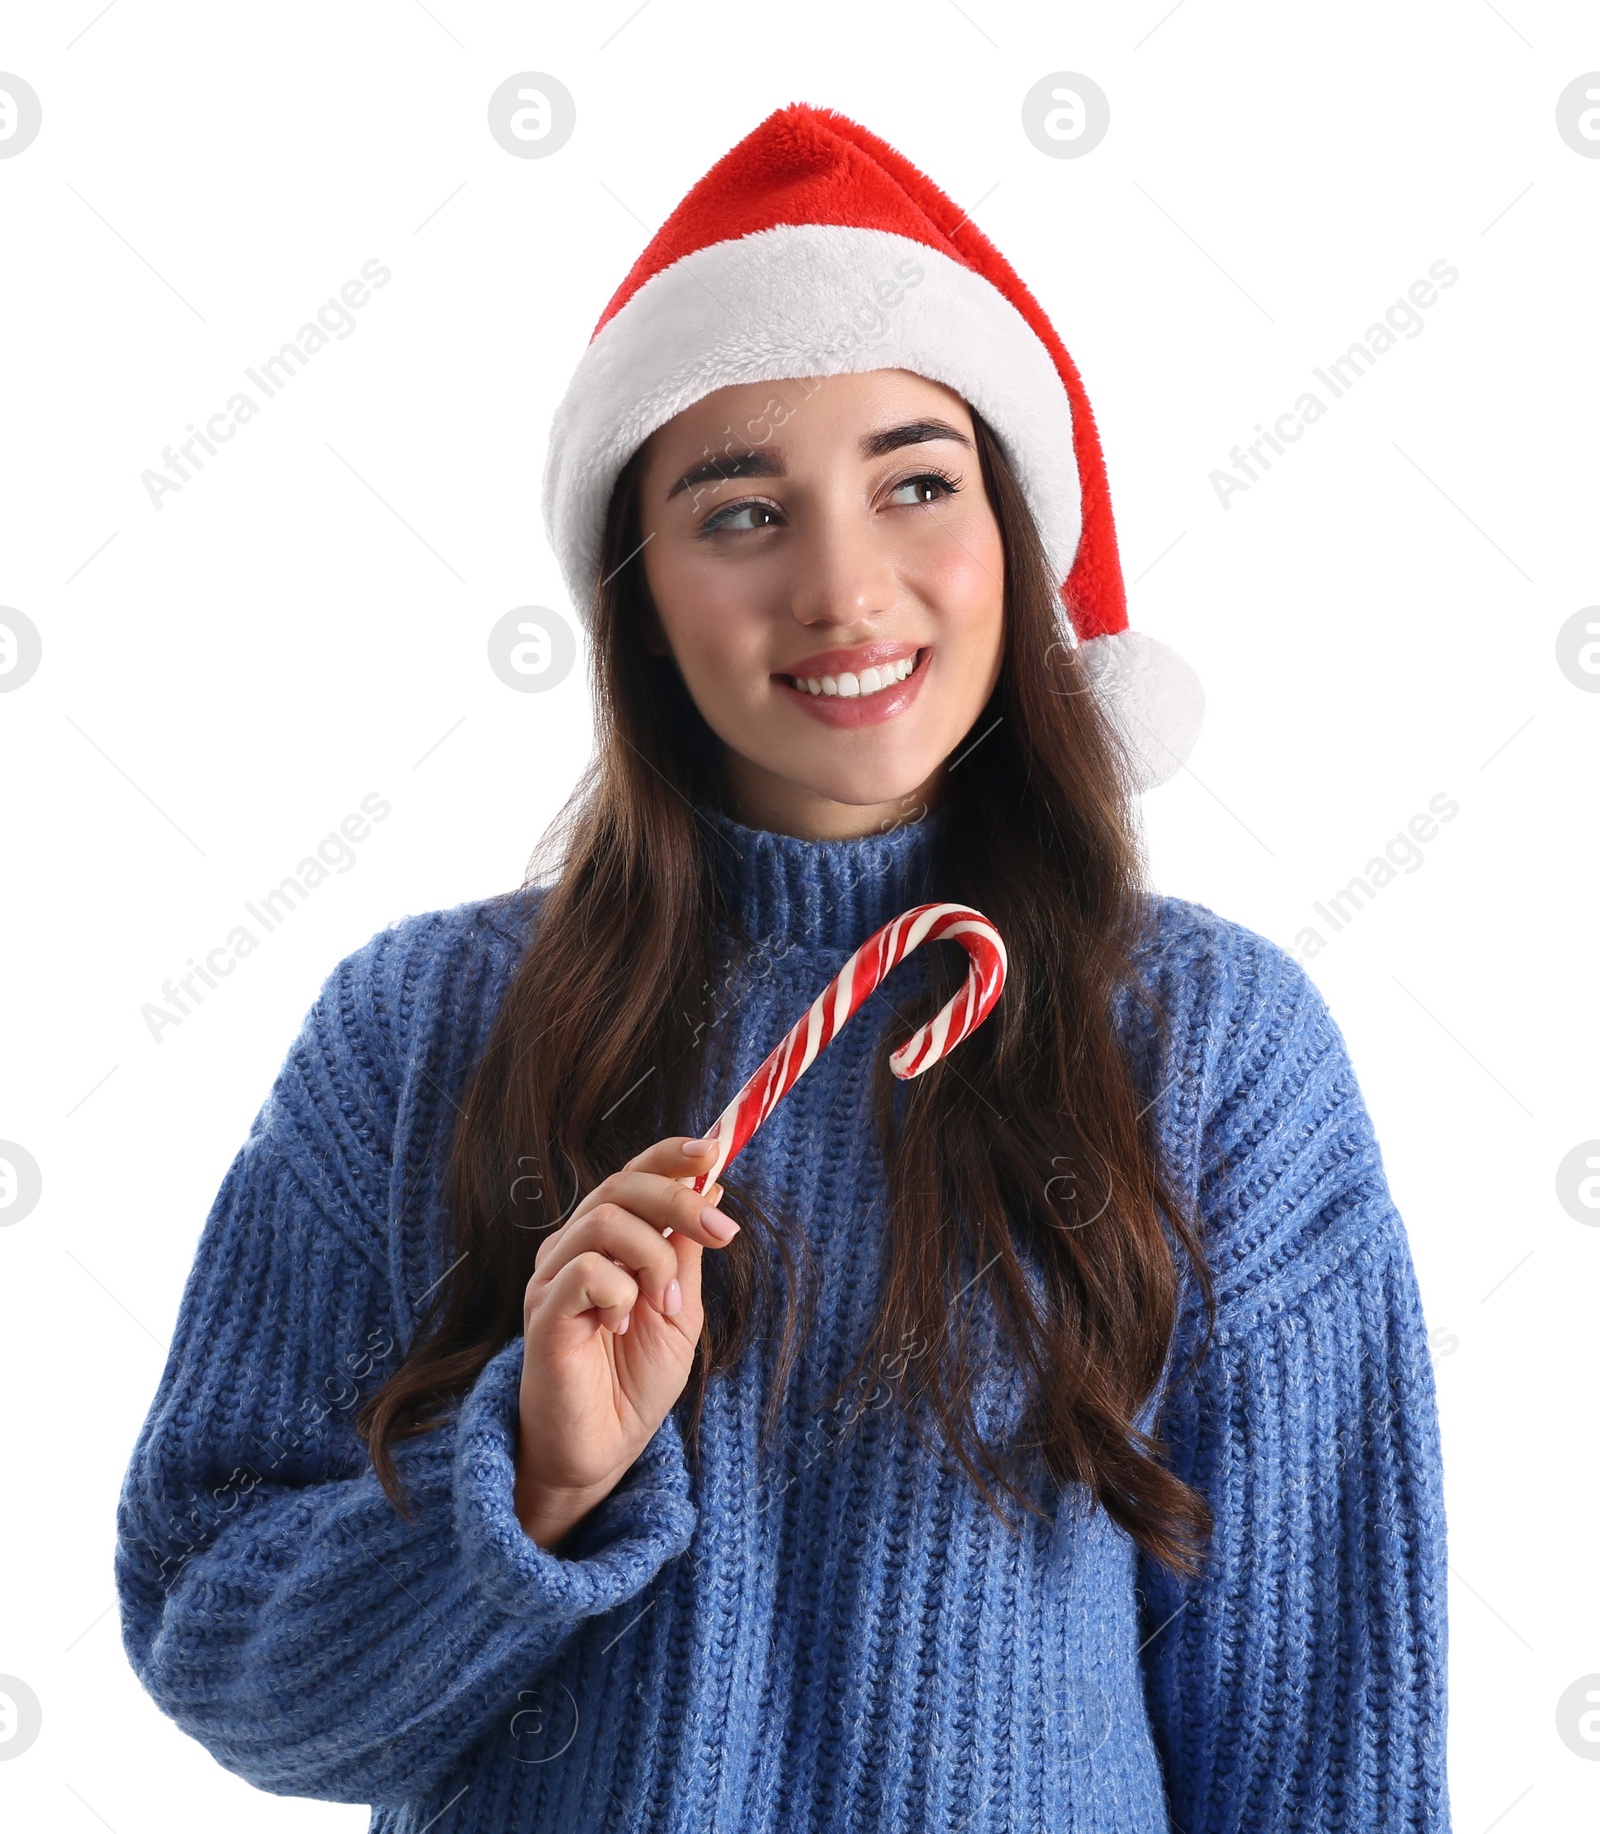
(710, 626)
(959, 570)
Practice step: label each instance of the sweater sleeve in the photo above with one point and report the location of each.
(1299, 1682)
(274, 1603)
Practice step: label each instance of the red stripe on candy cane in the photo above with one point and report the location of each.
(850, 989)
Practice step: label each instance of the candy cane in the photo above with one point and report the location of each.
(850, 987)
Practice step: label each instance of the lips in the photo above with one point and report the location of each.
(865, 710)
(854, 660)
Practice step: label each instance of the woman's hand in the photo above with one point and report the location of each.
(610, 1321)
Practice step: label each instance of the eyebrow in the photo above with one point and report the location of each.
(909, 433)
(762, 463)
(767, 461)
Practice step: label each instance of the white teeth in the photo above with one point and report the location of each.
(852, 687)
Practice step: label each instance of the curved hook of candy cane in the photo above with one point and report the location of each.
(959, 1017)
(849, 989)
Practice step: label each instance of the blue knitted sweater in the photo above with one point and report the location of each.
(842, 1636)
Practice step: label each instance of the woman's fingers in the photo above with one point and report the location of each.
(626, 1221)
(649, 1187)
(673, 1155)
(632, 1242)
(589, 1282)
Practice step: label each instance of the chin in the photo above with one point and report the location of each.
(862, 786)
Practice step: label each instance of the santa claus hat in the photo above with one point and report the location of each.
(813, 248)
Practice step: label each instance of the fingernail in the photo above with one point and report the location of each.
(674, 1299)
(696, 1146)
(624, 1325)
(724, 1228)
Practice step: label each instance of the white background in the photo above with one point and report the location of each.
(304, 623)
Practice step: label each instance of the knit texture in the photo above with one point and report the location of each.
(841, 1636)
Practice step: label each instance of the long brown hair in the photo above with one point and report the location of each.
(1044, 1146)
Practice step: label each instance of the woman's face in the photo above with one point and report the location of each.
(834, 531)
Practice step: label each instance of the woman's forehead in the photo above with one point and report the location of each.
(749, 418)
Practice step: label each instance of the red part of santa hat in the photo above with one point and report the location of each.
(813, 248)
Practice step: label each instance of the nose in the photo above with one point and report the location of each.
(843, 572)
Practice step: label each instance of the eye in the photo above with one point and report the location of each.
(927, 486)
(765, 514)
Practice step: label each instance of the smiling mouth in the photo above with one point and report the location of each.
(862, 686)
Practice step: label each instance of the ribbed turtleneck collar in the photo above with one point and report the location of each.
(826, 894)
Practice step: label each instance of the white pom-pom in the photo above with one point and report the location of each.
(1153, 696)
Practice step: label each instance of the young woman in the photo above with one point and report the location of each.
(1045, 1443)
